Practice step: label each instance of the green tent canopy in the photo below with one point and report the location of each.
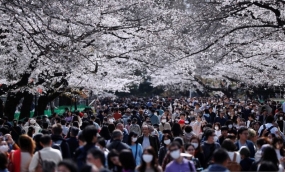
(60, 110)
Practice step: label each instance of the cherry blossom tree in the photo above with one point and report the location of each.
(54, 45)
(237, 40)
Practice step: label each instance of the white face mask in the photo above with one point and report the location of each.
(163, 120)
(175, 154)
(4, 148)
(167, 142)
(134, 139)
(195, 145)
(230, 126)
(155, 113)
(281, 118)
(216, 128)
(239, 110)
(147, 158)
(111, 120)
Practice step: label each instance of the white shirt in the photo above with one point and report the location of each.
(145, 142)
(267, 126)
(65, 130)
(197, 127)
(47, 153)
(218, 133)
(231, 155)
(283, 107)
(25, 161)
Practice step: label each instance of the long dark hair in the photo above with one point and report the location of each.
(154, 162)
(199, 148)
(105, 133)
(167, 136)
(111, 154)
(127, 159)
(130, 138)
(278, 140)
(269, 154)
(176, 130)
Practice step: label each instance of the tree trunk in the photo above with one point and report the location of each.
(42, 104)
(26, 106)
(11, 103)
(44, 100)
(1, 108)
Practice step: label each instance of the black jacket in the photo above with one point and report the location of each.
(81, 154)
(73, 145)
(153, 140)
(118, 145)
(162, 153)
(64, 146)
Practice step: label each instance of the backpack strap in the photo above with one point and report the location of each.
(260, 134)
(136, 152)
(40, 158)
(270, 128)
(190, 166)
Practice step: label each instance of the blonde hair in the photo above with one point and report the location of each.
(251, 133)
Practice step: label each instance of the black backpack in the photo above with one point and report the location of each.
(57, 145)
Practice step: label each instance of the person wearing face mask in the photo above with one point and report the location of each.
(207, 116)
(197, 125)
(166, 140)
(231, 127)
(198, 150)
(179, 163)
(176, 113)
(212, 114)
(281, 122)
(149, 161)
(190, 150)
(135, 127)
(154, 117)
(135, 147)
(209, 146)
(217, 129)
(4, 148)
(221, 119)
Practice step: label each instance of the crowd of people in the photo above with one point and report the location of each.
(149, 135)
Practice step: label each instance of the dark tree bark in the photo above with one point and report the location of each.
(11, 103)
(42, 104)
(26, 106)
(1, 108)
(44, 100)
